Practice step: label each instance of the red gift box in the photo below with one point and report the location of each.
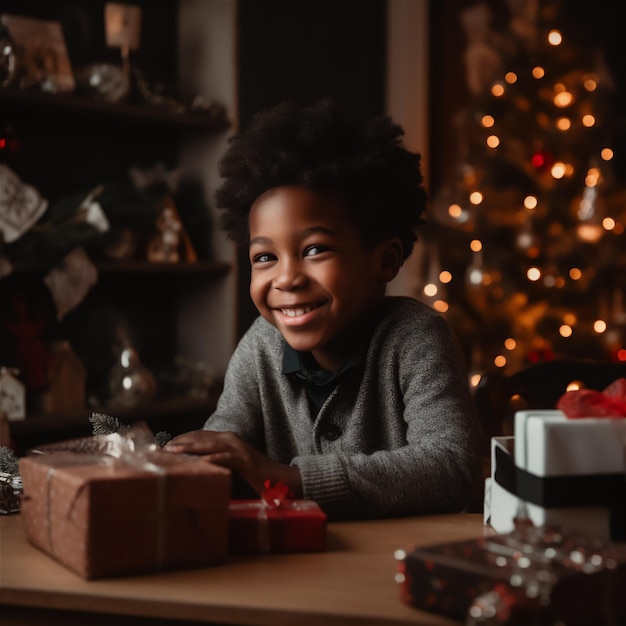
(103, 517)
(276, 524)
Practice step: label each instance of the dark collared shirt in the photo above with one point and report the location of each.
(319, 383)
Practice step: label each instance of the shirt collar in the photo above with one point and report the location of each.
(294, 363)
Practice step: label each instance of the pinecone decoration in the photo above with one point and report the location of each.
(107, 425)
(10, 482)
(8, 461)
(162, 438)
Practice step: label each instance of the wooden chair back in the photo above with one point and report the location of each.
(498, 396)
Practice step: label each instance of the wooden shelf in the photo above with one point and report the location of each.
(173, 415)
(206, 268)
(213, 269)
(65, 105)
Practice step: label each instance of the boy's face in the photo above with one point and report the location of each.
(313, 278)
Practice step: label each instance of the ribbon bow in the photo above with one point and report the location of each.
(611, 402)
(275, 494)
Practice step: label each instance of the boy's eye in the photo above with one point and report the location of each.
(263, 258)
(316, 249)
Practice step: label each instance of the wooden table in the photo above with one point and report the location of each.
(351, 583)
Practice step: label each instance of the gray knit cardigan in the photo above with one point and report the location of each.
(397, 438)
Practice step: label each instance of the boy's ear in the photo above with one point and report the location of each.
(391, 253)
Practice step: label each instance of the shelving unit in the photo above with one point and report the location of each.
(62, 105)
(70, 142)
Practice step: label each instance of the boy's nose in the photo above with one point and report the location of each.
(289, 276)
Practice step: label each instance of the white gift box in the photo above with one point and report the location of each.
(562, 472)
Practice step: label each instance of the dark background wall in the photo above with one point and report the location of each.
(303, 50)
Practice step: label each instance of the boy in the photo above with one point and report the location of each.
(353, 399)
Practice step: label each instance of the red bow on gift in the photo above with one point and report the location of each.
(590, 403)
(274, 494)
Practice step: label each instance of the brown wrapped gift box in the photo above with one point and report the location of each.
(102, 518)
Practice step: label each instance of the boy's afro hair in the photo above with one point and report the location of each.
(316, 147)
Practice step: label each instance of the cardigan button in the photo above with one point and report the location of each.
(331, 432)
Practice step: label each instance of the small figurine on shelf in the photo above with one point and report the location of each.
(130, 382)
(66, 380)
(170, 243)
(12, 394)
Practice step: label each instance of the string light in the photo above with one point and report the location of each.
(454, 210)
(589, 232)
(497, 90)
(558, 170)
(440, 305)
(510, 77)
(533, 273)
(475, 276)
(590, 82)
(445, 277)
(564, 123)
(538, 72)
(530, 202)
(500, 361)
(510, 343)
(570, 319)
(493, 141)
(476, 197)
(555, 38)
(565, 331)
(593, 177)
(476, 245)
(430, 290)
(606, 154)
(458, 214)
(608, 223)
(563, 99)
(589, 120)
(487, 121)
(599, 326)
(575, 273)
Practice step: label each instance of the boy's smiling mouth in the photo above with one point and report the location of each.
(297, 312)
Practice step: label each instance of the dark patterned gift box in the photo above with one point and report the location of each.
(531, 577)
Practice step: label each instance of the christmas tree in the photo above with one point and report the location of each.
(534, 261)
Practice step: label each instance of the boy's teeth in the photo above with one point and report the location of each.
(296, 312)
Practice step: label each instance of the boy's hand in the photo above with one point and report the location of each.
(229, 450)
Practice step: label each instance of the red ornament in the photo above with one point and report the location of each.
(538, 356)
(542, 160)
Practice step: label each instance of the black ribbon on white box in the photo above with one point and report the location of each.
(566, 491)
